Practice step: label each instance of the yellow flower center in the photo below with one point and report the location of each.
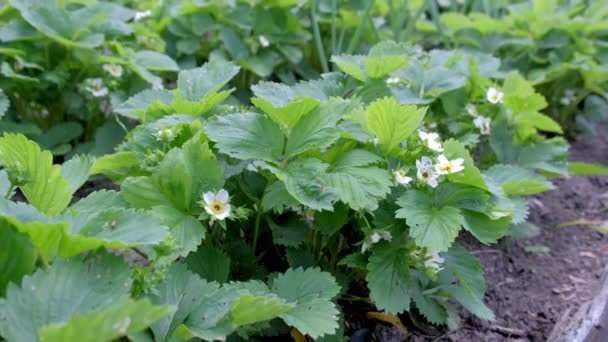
(217, 207)
(401, 173)
(448, 167)
(495, 97)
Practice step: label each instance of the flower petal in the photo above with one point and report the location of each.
(222, 196)
(209, 197)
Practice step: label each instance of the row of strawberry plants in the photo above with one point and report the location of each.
(66, 65)
(251, 221)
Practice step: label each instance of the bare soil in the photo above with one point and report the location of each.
(530, 291)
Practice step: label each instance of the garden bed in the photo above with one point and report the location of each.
(530, 291)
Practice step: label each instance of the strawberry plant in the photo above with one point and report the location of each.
(65, 65)
(559, 46)
(262, 187)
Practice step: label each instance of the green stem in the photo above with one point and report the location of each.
(412, 23)
(334, 10)
(366, 221)
(140, 253)
(317, 34)
(355, 40)
(9, 192)
(256, 230)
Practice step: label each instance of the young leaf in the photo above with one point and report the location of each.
(284, 105)
(317, 129)
(392, 123)
(39, 180)
(194, 84)
(387, 278)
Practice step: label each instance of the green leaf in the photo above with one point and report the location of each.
(454, 149)
(76, 171)
(359, 186)
(312, 291)
(70, 28)
(247, 136)
(135, 106)
(112, 228)
(306, 181)
(141, 192)
(431, 307)
(287, 104)
(153, 60)
(518, 181)
(17, 257)
(115, 166)
(387, 278)
(468, 271)
(78, 286)
(187, 231)
(41, 182)
(317, 129)
(59, 134)
(277, 198)
(108, 325)
(209, 263)
(249, 309)
(184, 291)
(431, 226)
(587, 169)
(292, 233)
(484, 228)
(392, 123)
(185, 191)
(195, 84)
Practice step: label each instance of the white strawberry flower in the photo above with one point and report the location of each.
(115, 70)
(141, 15)
(264, 41)
(430, 140)
(483, 124)
(425, 172)
(446, 166)
(96, 87)
(401, 177)
(494, 95)
(393, 81)
(217, 205)
(434, 261)
(471, 109)
(374, 238)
